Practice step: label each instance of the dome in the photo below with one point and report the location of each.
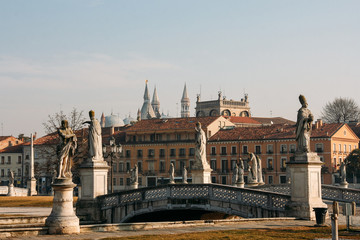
(113, 121)
(128, 120)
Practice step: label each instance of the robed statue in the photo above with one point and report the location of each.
(253, 169)
(235, 176)
(259, 170)
(241, 171)
(184, 175)
(200, 148)
(66, 149)
(303, 126)
(11, 178)
(134, 175)
(94, 138)
(343, 172)
(172, 173)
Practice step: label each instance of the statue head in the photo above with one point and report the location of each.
(302, 100)
(198, 125)
(91, 114)
(64, 123)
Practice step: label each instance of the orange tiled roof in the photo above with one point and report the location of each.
(2, 138)
(273, 120)
(235, 119)
(171, 124)
(276, 131)
(13, 149)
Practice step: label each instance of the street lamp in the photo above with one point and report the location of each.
(114, 149)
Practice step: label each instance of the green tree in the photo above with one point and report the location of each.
(341, 110)
(353, 163)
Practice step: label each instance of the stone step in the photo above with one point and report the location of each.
(22, 232)
(22, 220)
(28, 225)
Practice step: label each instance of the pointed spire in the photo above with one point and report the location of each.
(102, 120)
(146, 93)
(155, 99)
(185, 103)
(185, 94)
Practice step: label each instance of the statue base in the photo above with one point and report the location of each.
(261, 183)
(344, 184)
(134, 186)
(31, 185)
(62, 219)
(184, 182)
(201, 176)
(305, 172)
(240, 184)
(253, 184)
(11, 190)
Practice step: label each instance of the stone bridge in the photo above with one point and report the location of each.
(244, 202)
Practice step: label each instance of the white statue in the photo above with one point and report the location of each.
(235, 176)
(184, 175)
(200, 149)
(66, 149)
(303, 126)
(241, 171)
(343, 172)
(134, 175)
(259, 170)
(11, 178)
(94, 138)
(253, 178)
(172, 173)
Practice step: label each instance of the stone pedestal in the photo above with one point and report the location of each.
(134, 186)
(201, 176)
(62, 219)
(253, 184)
(31, 185)
(11, 190)
(240, 184)
(344, 184)
(305, 172)
(93, 175)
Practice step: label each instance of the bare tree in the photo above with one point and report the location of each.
(341, 110)
(75, 119)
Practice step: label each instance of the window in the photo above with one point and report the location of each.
(2, 173)
(121, 181)
(114, 166)
(178, 137)
(334, 147)
(233, 164)
(151, 166)
(127, 181)
(213, 164)
(172, 152)
(162, 166)
(27, 157)
(335, 162)
(128, 153)
(292, 148)
(114, 181)
(258, 149)
(213, 179)
(182, 164)
(282, 179)
(191, 151)
(2, 160)
(140, 167)
(162, 152)
(213, 150)
(319, 147)
(140, 181)
(19, 160)
(223, 179)
(340, 148)
(349, 148)
(223, 150)
(283, 148)
(269, 149)
(191, 163)
(127, 166)
(224, 166)
(121, 166)
(152, 138)
(344, 148)
(9, 160)
(19, 172)
(151, 153)
(233, 150)
(270, 179)
(182, 152)
(139, 153)
(283, 164)
(245, 150)
(270, 164)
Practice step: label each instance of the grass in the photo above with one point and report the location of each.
(31, 201)
(252, 234)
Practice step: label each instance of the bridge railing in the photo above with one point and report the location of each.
(205, 192)
(332, 193)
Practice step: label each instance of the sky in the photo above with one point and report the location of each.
(96, 54)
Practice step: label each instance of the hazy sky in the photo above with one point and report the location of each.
(97, 54)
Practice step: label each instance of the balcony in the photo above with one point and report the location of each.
(283, 151)
(269, 151)
(233, 153)
(182, 155)
(162, 155)
(258, 152)
(292, 150)
(319, 150)
(223, 153)
(270, 169)
(213, 153)
(283, 169)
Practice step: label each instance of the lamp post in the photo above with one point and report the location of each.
(114, 149)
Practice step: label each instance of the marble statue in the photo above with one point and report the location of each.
(200, 148)
(94, 138)
(66, 149)
(184, 175)
(11, 178)
(134, 175)
(303, 126)
(241, 171)
(253, 169)
(343, 172)
(259, 170)
(235, 176)
(172, 173)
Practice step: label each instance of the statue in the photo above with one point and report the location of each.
(253, 177)
(241, 171)
(303, 126)
(172, 173)
(11, 178)
(235, 176)
(259, 170)
(184, 175)
(343, 172)
(94, 138)
(134, 175)
(200, 149)
(66, 149)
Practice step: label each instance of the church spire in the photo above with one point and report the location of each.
(156, 104)
(185, 103)
(147, 112)
(102, 121)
